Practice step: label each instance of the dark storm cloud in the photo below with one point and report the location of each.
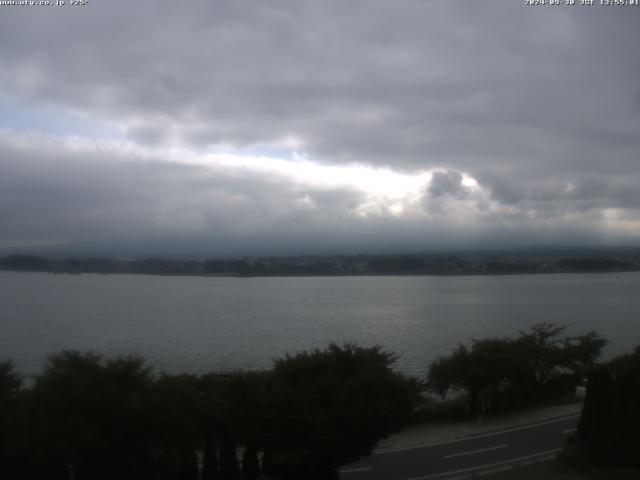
(447, 183)
(59, 193)
(538, 104)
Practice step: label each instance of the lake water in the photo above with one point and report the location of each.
(198, 324)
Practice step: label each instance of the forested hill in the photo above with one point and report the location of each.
(415, 264)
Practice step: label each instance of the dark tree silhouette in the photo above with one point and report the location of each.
(511, 371)
(210, 469)
(610, 420)
(10, 385)
(250, 464)
(480, 370)
(167, 466)
(229, 466)
(188, 465)
(10, 381)
(91, 415)
(330, 407)
(90, 418)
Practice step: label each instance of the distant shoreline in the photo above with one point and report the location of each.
(319, 275)
(509, 263)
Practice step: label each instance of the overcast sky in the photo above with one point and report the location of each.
(216, 128)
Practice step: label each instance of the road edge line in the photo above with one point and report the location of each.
(479, 467)
(481, 435)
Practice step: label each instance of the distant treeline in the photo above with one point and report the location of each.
(427, 264)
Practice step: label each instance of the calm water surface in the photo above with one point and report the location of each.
(197, 324)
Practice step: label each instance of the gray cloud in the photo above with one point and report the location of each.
(89, 197)
(447, 183)
(539, 105)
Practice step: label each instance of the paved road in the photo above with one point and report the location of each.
(471, 457)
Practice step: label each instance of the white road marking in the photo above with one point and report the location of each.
(352, 470)
(476, 451)
(462, 477)
(496, 470)
(473, 437)
(571, 430)
(544, 459)
(480, 467)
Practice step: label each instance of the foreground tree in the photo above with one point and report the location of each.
(90, 418)
(175, 409)
(10, 381)
(610, 420)
(210, 470)
(330, 407)
(91, 415)
(250, 464)
(506, 372)
(10, 385)
(547, 359)
(229, 465)
(480, 370)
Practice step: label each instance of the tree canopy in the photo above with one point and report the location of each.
(610, 420)
(499, 372)
(88, 417)
(332, 406)
(10, 381)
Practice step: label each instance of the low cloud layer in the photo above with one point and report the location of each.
(291, 126)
